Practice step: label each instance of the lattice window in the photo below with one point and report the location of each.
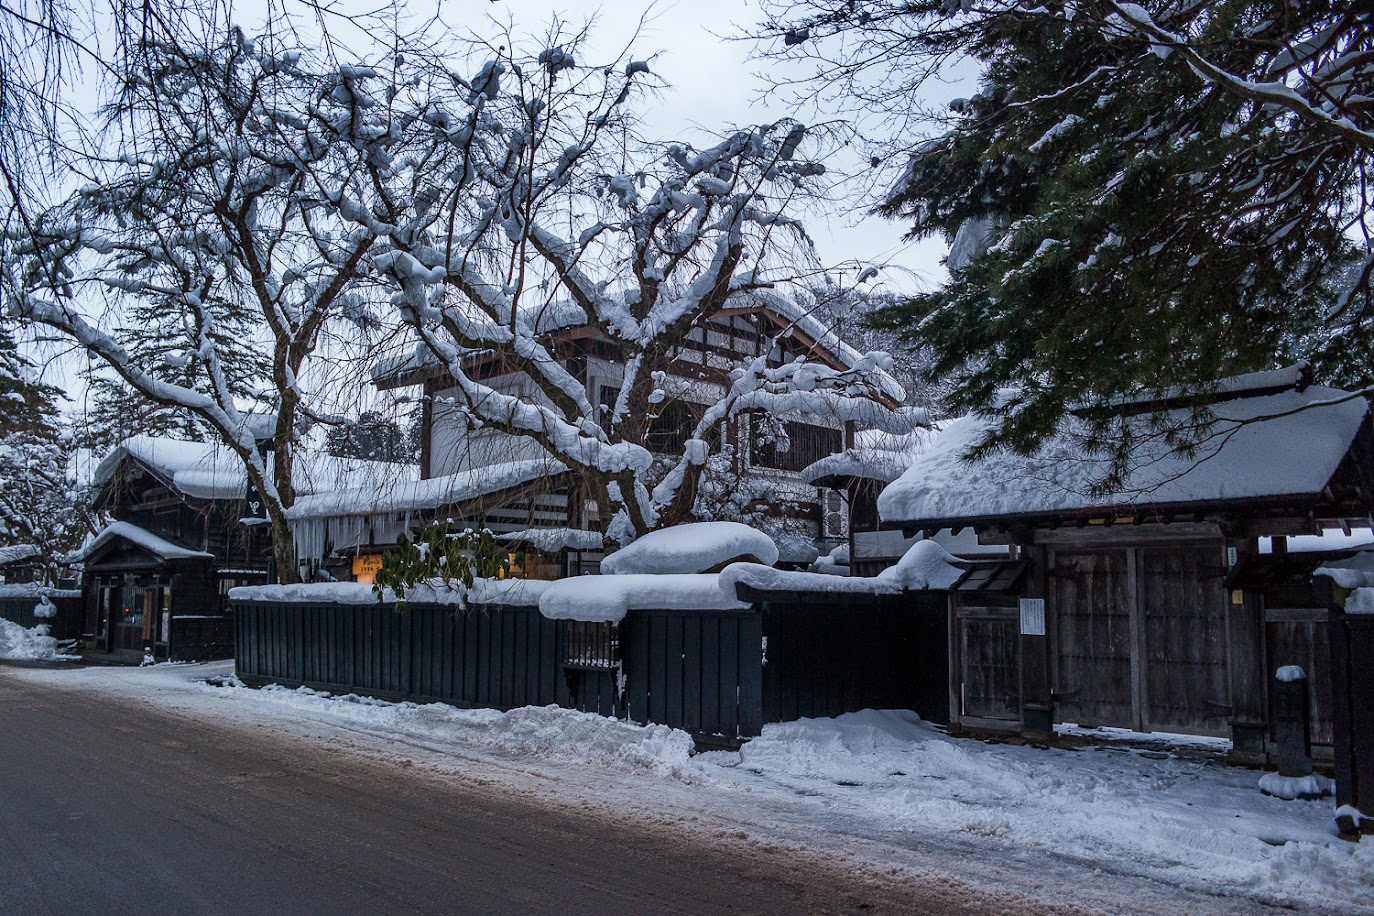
(591, 645)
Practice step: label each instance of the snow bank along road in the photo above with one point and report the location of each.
(145, 789)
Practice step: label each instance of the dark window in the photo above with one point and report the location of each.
(671, 429)
(802, 444)
(592, 645)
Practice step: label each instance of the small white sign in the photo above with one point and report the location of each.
(1032, 616)
(1231, 556)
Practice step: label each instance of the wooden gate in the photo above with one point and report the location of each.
(989, 665)
(1184, 608)
(1092, 619)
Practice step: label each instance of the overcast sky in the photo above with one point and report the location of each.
(712, 84)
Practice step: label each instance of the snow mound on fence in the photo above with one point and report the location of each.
(17, 643)
(925, 565)
(691, 548)
(519, 592)
(610, 598)
(538, 732)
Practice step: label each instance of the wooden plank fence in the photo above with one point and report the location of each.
(700, 671)
(68, 624)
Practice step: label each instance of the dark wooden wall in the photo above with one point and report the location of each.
(835, 654)
(497, 658)
(1351, 637)
(700, 671)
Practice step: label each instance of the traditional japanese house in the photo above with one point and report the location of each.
(1142, 609)
(157, 577)
(20, 563)
(486, 478)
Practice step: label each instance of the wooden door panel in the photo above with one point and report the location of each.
(991, 667)
(1187, 683)
(1093, 638)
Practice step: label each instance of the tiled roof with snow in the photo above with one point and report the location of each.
(18, 552)
(419, 495)
(210, 470)
(1270, 445)
(158, 546)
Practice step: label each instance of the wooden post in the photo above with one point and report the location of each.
(1292, 721)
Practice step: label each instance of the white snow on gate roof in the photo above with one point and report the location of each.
(1287, 444)
(210, 470)
(159, 547)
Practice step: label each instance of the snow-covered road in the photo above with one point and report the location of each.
(882, 794)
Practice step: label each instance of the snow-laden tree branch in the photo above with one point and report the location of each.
(204, 260)
(527, 234)
(1139, 195)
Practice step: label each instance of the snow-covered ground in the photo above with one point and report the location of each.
(1107, 826)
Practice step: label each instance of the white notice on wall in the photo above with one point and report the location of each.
(1032, 616)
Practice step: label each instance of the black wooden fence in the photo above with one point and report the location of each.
(711, 673)
(1352, 687)
(66, 624)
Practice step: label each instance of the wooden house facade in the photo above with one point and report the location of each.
(486, 478)
(157, 578)
(1146, 609)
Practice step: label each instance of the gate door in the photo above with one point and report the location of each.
(1092, 614)
(1186, 684)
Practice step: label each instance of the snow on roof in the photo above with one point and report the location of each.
(1291, 447)
(159, 547)
(565, 315)
(552, 540)
(876, 455)
(18, 552)
(417, 495)
(609, 598)
(210, 470)
(691, 548)
(1270, 381)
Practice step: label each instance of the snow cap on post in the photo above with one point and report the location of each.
(693, 548)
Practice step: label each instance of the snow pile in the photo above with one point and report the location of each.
(926, 565)
(1313, 785)
(1356, 574)
(610, 598)
(17, 643)
(835, 563)
(1181, 820)
(1295, 453)
(533, 732)
(691, 548)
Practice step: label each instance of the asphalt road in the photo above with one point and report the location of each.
(108, 806)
